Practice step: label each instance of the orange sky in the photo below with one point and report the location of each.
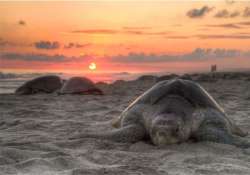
(123, 36)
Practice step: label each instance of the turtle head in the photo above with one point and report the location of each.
(167, 128)
(23, 90)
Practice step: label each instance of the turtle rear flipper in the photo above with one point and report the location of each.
(214, 134)
(116, 122)
(131, 133)
(237, 131)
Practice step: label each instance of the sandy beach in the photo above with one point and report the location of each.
(69, 69)
(34, 132)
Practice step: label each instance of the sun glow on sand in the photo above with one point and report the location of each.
(92, 66)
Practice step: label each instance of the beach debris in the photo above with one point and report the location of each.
(214, 68)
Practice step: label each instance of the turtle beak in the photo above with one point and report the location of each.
(161, 138)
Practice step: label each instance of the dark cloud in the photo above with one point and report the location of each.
(229, 25)
(226, 14)
(223, 36)
(42, 44)
(22, 23)
(75, 45)
(47, 45)
(246, 12)
(198, 13)
(34, 57)
(198, 54)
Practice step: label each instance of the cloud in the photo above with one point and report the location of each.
(198, 13)
(47, 45)
(198, 54)
(138, 58)
(230, 2)
(229, 25)
(246, 12)
(136, 28)
(138, 32)
(243, 33)
(222, 14)
(34, 57)
(42, 44)
(124, 30)
(96, 31)
(237, 25)
(234, 14)
(22, 23)
(75, 45)
(5, 43)
(226, 14)
(178, 37)
(223, 36)
(244, 23)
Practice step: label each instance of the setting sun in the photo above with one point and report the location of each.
(92, 66)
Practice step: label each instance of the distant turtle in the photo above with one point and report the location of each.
(173, 112)
(43, 84)
(80, 85)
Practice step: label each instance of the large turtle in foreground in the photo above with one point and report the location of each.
(43, 84)
(80, 85)
(173, 112)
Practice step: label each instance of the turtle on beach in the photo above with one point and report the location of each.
(172, 112)
(80, 85)
(42, 84)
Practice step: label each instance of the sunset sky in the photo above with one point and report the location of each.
(124, 36)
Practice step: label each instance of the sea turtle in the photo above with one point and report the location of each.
(173, 112)
(80, 85)
(43, 84)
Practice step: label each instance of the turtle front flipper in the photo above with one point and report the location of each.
(214, 134)
(131, 133)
